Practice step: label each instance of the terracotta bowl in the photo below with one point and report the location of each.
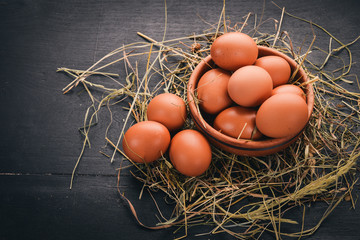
(242, 146)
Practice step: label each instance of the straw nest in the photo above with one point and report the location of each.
(242, 196)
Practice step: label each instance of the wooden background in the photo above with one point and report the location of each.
(39, 141)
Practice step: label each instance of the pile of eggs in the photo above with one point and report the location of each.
(250, 97)
(247, 96)
(146, 141)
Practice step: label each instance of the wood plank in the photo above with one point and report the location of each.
(42, 207)
(40, 141)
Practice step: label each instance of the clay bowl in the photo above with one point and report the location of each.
(241, 146)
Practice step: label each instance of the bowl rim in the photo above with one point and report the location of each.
(245, 144)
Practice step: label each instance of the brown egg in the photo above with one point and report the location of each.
(190, 152)
(167, 109)
(282, 115)
(237, 122)
(145, 142)
(212, 91)
(289, 88)
(233, 50)
(250, 86)
(278, 68)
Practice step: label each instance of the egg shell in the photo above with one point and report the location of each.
(250, 86)
(167, 109)
(190, 152)
(232, 122)
(146, 141)
(233, 50)
(289, 88)
(278, 68)
(282, 115)
(212, 91)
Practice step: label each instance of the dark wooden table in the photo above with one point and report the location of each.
(40, 143)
